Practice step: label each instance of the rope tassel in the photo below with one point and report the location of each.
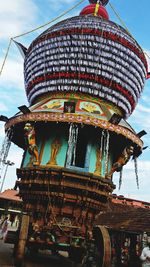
(120, 178)
(136, 172)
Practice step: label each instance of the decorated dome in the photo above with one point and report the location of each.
(95, 10)
(86, 54)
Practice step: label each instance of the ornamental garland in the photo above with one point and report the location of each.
(104, 148)
(93, 25)
(52, 49)
(69, 64)
(136, 172)
(71, 78)
(120, 178)
(6, 147)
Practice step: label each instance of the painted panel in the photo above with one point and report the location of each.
(26, 159)
(92, 163)
(61, 158)
(90, 107)
(46, 151)
(54, 152)
(53, 104)
(97, 165)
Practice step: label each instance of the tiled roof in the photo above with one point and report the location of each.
(10, 194)
(126, 218)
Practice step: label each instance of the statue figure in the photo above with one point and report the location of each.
(98, 166)
(55, 146)
(122, 160)
(31, 143)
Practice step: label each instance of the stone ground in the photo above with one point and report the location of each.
(38, 260)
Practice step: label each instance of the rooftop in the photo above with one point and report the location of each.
(128, 215)
(10, 194)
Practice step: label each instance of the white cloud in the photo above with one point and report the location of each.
(12, 74)
(16, 16)
(142, 108)
(129, 186)
(61, 3)
(142, 164)
(2, 133)
(3, 107)
(15, 156)
(140, 116)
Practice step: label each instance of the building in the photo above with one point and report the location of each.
(10, 205)
(127, 222)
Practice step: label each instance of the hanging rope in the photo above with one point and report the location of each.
(37, 28)
(53, 20)
(6, 55)
(50, 210)
(123, 24)
(119, 18)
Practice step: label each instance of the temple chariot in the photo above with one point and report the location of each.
(83, 78)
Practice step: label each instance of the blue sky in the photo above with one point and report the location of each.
(19, 16)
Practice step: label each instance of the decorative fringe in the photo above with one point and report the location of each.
(136, 172)
(106, 151)
(104, 147)
(91, 51)
(120, 178)
(75, 138)
(72, 143)
(5, 150)
(5, 147)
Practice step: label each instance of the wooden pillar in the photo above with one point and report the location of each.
(23, 235)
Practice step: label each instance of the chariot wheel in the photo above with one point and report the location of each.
(103, 245)
(98, 250)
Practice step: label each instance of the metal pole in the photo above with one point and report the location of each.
(8, 163)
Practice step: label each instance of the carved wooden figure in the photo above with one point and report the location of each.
(55, 146)
(31, 143)
(122, 160)
(98, 167)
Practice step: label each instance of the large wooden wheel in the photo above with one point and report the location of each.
(19, 249)
(98, 250)
(103, 244)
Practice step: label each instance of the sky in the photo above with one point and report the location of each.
(20, 16)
